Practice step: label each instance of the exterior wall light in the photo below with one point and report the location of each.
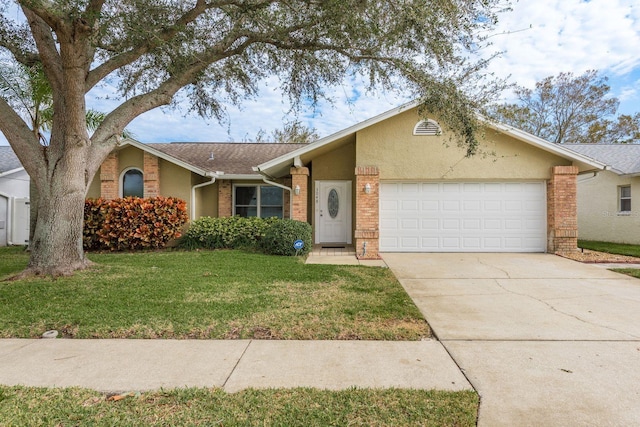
(296, 190)
(367, 188)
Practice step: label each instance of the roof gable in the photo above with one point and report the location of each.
(280, 164)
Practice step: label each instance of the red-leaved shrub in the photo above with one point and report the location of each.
(132, 223)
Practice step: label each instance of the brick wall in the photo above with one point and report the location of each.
(151, 175)
(225, 200)
(300, 177)
(562, 211)
(109, 178)
(367, 212)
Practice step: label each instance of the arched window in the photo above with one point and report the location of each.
(427, 128)
(132, 183)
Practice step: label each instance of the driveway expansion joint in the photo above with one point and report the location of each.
(236, 364)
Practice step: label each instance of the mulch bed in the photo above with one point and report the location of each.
(589, 256)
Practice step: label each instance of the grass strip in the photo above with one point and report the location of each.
(611, 248)
(213, 407)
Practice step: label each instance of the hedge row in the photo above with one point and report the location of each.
(132, 223)
(271, 235)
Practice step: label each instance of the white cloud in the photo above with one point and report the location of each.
(568, 35)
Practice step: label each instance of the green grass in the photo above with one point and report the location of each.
(208, 295)
(213, 407)
(633, 272)
(12, 260)
(611, 248)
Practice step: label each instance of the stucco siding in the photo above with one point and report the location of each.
(207, 200)
(598, 209)
(175, 181)
(130, 157)
(400, 155)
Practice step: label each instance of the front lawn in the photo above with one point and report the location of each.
(208, 295)
(213, 407)
(610, 248)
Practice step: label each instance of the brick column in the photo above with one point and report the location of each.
(225, 200)
(109, 179)
(562, 211)
(367, 212)
(151, 175)
(299, 208)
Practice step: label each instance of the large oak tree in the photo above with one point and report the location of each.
(217, 52)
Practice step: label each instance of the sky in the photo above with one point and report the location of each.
(537, 38)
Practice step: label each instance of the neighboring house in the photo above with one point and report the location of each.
(393, 183)
(14, 199)
(609, 201)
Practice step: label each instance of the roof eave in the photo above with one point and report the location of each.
(543, 144)
(11, 172)
(240, 176)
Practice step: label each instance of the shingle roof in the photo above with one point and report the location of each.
(228, 157)
(8, 159)
(622, 158)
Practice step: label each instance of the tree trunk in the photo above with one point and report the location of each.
(56, 248)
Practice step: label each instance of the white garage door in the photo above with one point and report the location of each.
(463, 217)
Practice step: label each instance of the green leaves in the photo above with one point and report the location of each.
(568, 109)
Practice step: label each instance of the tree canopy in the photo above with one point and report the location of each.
(569, 109)
(217, 52)
(292, 132)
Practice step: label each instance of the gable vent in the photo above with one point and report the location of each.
(427, 128)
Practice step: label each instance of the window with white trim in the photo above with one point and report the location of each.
(132, 183)
(263, 201)
(427, 128)
(624, 193)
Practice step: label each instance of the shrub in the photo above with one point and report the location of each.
(279, 238)
(133, 223)
(226, 233)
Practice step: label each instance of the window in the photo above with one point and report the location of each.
(625, 198)
(427, 128)
(258, 200)
(132, 183)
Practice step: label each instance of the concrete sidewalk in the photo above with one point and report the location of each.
(138, 365)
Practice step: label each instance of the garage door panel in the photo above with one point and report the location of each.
(463, 217)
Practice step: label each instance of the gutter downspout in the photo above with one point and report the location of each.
(284, 187)
(595, 174)
(193, 194)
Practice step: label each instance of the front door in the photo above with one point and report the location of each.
(333, 212)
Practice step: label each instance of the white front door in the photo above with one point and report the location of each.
(333, 212)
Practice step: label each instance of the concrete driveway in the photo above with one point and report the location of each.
(544, 340)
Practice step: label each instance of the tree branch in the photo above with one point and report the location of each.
(162, 36)
(22, 139)
(50, 58)
(104, 139)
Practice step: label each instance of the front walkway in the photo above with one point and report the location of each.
(545, 341)
(339, 255)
